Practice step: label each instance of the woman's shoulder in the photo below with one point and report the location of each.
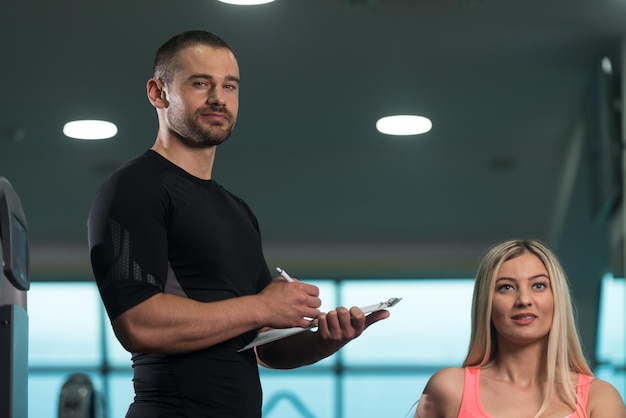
(448, 375)
(443, 393)
(604, 400)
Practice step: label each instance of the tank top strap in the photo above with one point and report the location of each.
(582, 395)
(470, 401)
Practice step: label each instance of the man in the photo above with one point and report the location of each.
(178, 259)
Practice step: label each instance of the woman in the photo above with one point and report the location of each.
(525, 359)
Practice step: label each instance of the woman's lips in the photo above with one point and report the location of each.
(524, 318)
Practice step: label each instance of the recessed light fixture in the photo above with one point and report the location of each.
(90, 129)
(246, 2)
(404, 125)
(607, 66)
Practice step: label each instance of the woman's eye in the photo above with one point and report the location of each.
(505, 287)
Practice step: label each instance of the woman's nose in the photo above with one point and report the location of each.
(523, 298)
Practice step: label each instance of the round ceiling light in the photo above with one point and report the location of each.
(403, 125)
(90, 129)
(246, 2)
(607, 66)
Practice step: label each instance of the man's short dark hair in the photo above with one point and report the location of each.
(166, 59)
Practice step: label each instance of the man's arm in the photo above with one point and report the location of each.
(166, 323)
(335, 329)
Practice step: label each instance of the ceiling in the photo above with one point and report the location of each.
(505, 84)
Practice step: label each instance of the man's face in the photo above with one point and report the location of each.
(203, 97)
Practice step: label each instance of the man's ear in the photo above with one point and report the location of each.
(156, 93)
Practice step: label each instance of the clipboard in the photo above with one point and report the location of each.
(277, 334)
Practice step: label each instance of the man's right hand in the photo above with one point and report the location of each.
(290, 304)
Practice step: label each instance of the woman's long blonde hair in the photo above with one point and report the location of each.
(564, 353)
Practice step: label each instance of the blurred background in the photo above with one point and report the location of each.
(525, 99)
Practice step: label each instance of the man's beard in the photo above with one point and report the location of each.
(194, 135)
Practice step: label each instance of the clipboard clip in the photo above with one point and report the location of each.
(380, 305)
(391, 302)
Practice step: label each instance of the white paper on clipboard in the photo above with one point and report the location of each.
(277, 334)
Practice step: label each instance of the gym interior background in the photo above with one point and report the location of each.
(526, 103)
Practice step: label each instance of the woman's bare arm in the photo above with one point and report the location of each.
(442, 395)
(605, 401)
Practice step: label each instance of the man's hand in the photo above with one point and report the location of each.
(290, 304)
(337, 328)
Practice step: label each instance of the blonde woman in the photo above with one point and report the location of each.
(525, 358)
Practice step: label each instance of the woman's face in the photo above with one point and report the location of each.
(523, 303)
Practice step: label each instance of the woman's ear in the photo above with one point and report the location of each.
(156, 93)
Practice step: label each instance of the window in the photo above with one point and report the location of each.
(611, 350)
(380, 374)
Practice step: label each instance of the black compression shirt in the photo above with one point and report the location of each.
(155, 228)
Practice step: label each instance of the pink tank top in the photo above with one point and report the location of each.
(472, 408)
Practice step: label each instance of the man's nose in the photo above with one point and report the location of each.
(216, 97)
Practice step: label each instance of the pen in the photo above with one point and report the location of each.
(284, 274)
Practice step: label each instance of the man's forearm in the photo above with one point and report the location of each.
(297, 350)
